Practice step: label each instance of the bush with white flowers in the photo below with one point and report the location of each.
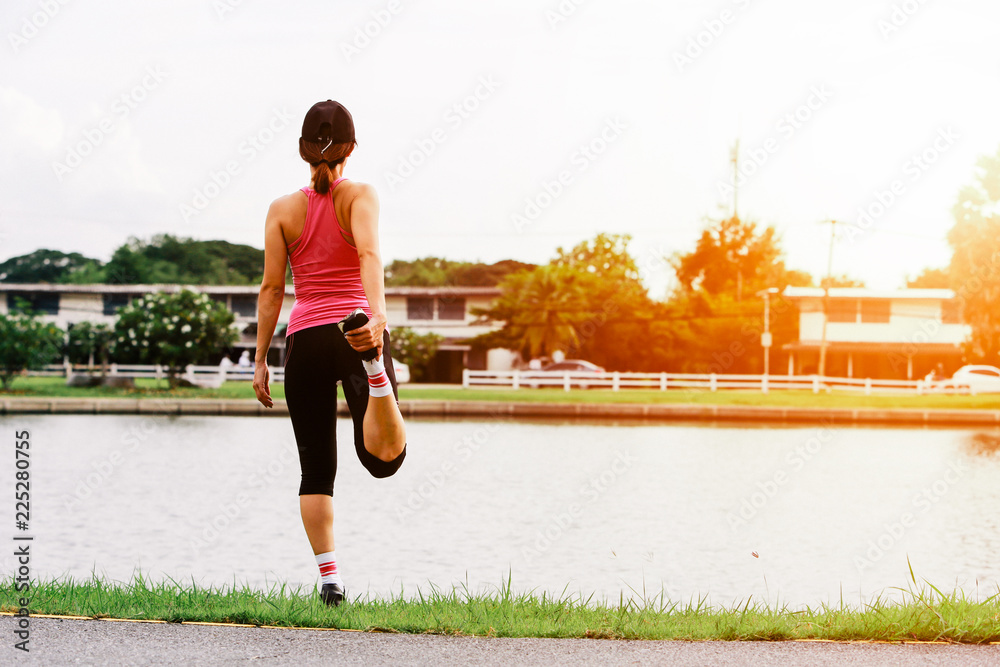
(26, 342)
(173, 330)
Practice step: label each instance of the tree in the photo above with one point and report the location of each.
(618, 319)
(717, 311)
(415, 350)
(162, 259)
(426, 272)
(173, 330)
(26, 342)
(126, 267)
(169, 259)
(539, 309)
(438, 272)
(715, 333)
(484, 275)
(733, 256)
(44, 266)
(606, 255)
(930, 278)
(975, 263)
(90, 273)
(843, 280)
(588, 302)
(87, 342)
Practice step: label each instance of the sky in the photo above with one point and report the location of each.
(499, 130)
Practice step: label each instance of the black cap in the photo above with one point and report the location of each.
(328, 122)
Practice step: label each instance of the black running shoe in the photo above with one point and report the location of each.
(331, 594)
(354, 321)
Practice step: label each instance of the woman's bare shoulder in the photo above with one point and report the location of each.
(289, 205)
(356, 189)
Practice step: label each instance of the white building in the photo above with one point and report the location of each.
(879, 334)
(441, 310)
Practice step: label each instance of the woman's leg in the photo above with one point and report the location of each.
(311, 397)
(379, 431)
(317, 519)
(385, 433)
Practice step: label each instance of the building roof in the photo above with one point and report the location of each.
(865, 293)
(883, 347)
(101, 288)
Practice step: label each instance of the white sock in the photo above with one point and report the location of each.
(378, 381)
(328, 568)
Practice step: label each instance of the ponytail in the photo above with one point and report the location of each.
(323, 178)
(324, 160)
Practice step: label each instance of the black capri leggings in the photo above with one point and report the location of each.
(315, 358)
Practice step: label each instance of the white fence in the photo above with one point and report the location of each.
(208, 376)
(519, 379)
(214, 376)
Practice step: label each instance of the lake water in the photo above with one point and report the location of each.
(600, 508)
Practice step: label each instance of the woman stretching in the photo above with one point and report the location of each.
(328, 232)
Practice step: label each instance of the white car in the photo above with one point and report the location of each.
(974, 379)
(578, 367)
(402, 372)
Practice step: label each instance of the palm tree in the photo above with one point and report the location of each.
(550, 304)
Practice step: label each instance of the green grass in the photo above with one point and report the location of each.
(924, 614)
(144, 388)
(54, 386)
(783, 398)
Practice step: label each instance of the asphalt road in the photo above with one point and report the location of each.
(88, 642)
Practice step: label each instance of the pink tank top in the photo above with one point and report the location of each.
(326, 272)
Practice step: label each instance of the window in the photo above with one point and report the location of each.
(44, 302)
(112, 302)
(245, 305)
(843, 310)
(875, 310)
(219, 298)
(951, 312)
(984, 371)
(419, 308)
(451, 308)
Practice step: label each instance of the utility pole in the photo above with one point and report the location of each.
(826, 298)
(765, 339)
(735, 159)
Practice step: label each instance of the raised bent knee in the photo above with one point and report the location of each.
(380, 468)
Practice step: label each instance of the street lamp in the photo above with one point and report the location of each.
(765, 338)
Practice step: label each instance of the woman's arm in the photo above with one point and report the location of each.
(363, 215)
(272, 295)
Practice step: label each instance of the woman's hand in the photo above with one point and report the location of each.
(260, 385)
(368, 336)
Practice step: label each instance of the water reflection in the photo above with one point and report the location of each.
(601, 508)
